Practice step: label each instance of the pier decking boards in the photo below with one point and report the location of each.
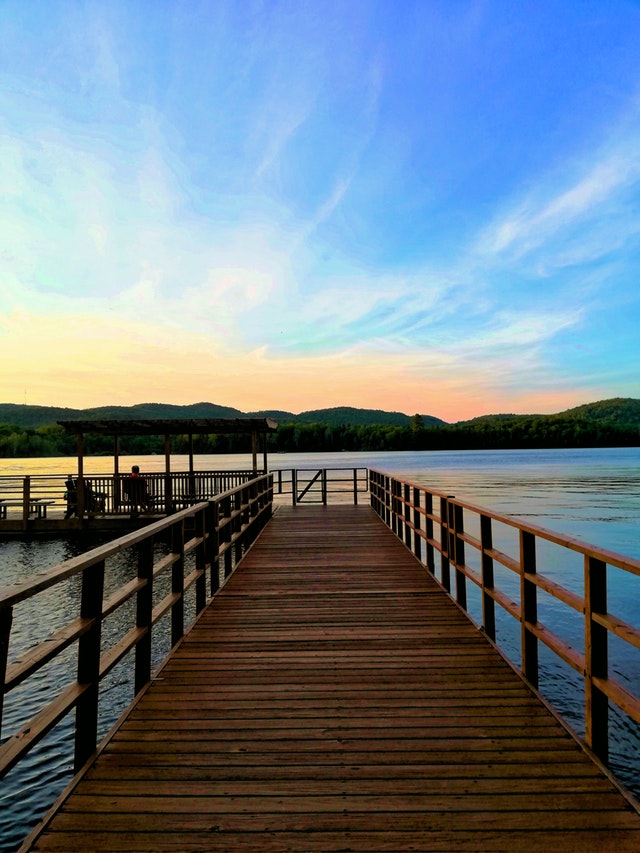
(333, 698)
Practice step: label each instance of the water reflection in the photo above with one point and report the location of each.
(593, 495)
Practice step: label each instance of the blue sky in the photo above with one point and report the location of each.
(414, 206)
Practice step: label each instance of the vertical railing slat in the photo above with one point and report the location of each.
(596, 658)
(528, 606)
(86, 734)
(144, 614)
(417, 538)
(445, 571)
(459, 555)
(488, 604)
(177, 582)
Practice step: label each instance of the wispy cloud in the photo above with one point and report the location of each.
(594, 213)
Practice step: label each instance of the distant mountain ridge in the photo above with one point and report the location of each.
(31, 417)
(622, 411)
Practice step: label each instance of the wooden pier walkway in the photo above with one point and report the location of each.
(332, 697)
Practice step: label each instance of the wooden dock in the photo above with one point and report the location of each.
(332, 697)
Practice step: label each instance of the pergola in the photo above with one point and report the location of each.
(256, 427)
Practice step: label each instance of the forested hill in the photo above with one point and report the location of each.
(623, 411)
(31, 417)
(33, 431)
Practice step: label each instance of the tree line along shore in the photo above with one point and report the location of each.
(491, 432)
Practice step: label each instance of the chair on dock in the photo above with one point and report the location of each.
(71, 496)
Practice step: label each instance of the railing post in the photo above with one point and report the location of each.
(445, 571)
(144, 614)
(177, 583)
(396, 487)
(355, 486)
(86, 735)
(407, 515)
(294, 486)
(237, 524)
(458, 556)
(596, 642)
(387, 501)
(417, 538)
(528, 606)
(488, 604)
(228, 556)
(213, 548)
(201, 562)
(428, 508)
(324, 486)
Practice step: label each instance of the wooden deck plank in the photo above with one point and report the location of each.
(333, 698)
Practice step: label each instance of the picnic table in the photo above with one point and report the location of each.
(36, 505)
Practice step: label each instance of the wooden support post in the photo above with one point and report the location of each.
(417, 538)
(86, 736)
(596, 642)
(237, 526)
(228, 556)
(168, 496)
(6, 618)
(81, 495)
(396, 507)
(488, 604)
(431, 563)
(254, 451)
(144, 614)
(445, 570)
(355, 486)
(458, 555)
(265, 459)
(26, 501)
(201, 563)
(324, 486)
(407, 515)
(177, 583)
(192, 475)
(117, 496)
(213, 546)
(528, 607)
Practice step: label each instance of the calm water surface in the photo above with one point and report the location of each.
(590, 494)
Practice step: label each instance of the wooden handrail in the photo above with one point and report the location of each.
(409, 510)
(212, 531)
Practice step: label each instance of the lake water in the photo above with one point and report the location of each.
(589, 494)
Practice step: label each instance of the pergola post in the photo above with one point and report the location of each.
(168, 498)
(192, 477)
(116, 472)
(254, 450)
(80, 481)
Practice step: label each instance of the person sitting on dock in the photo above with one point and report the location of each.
(135, 489)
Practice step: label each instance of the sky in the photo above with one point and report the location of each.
(423, 206)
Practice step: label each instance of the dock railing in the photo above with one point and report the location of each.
(196, 547)
(103, 494)
(321, 485)
(458, 543)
